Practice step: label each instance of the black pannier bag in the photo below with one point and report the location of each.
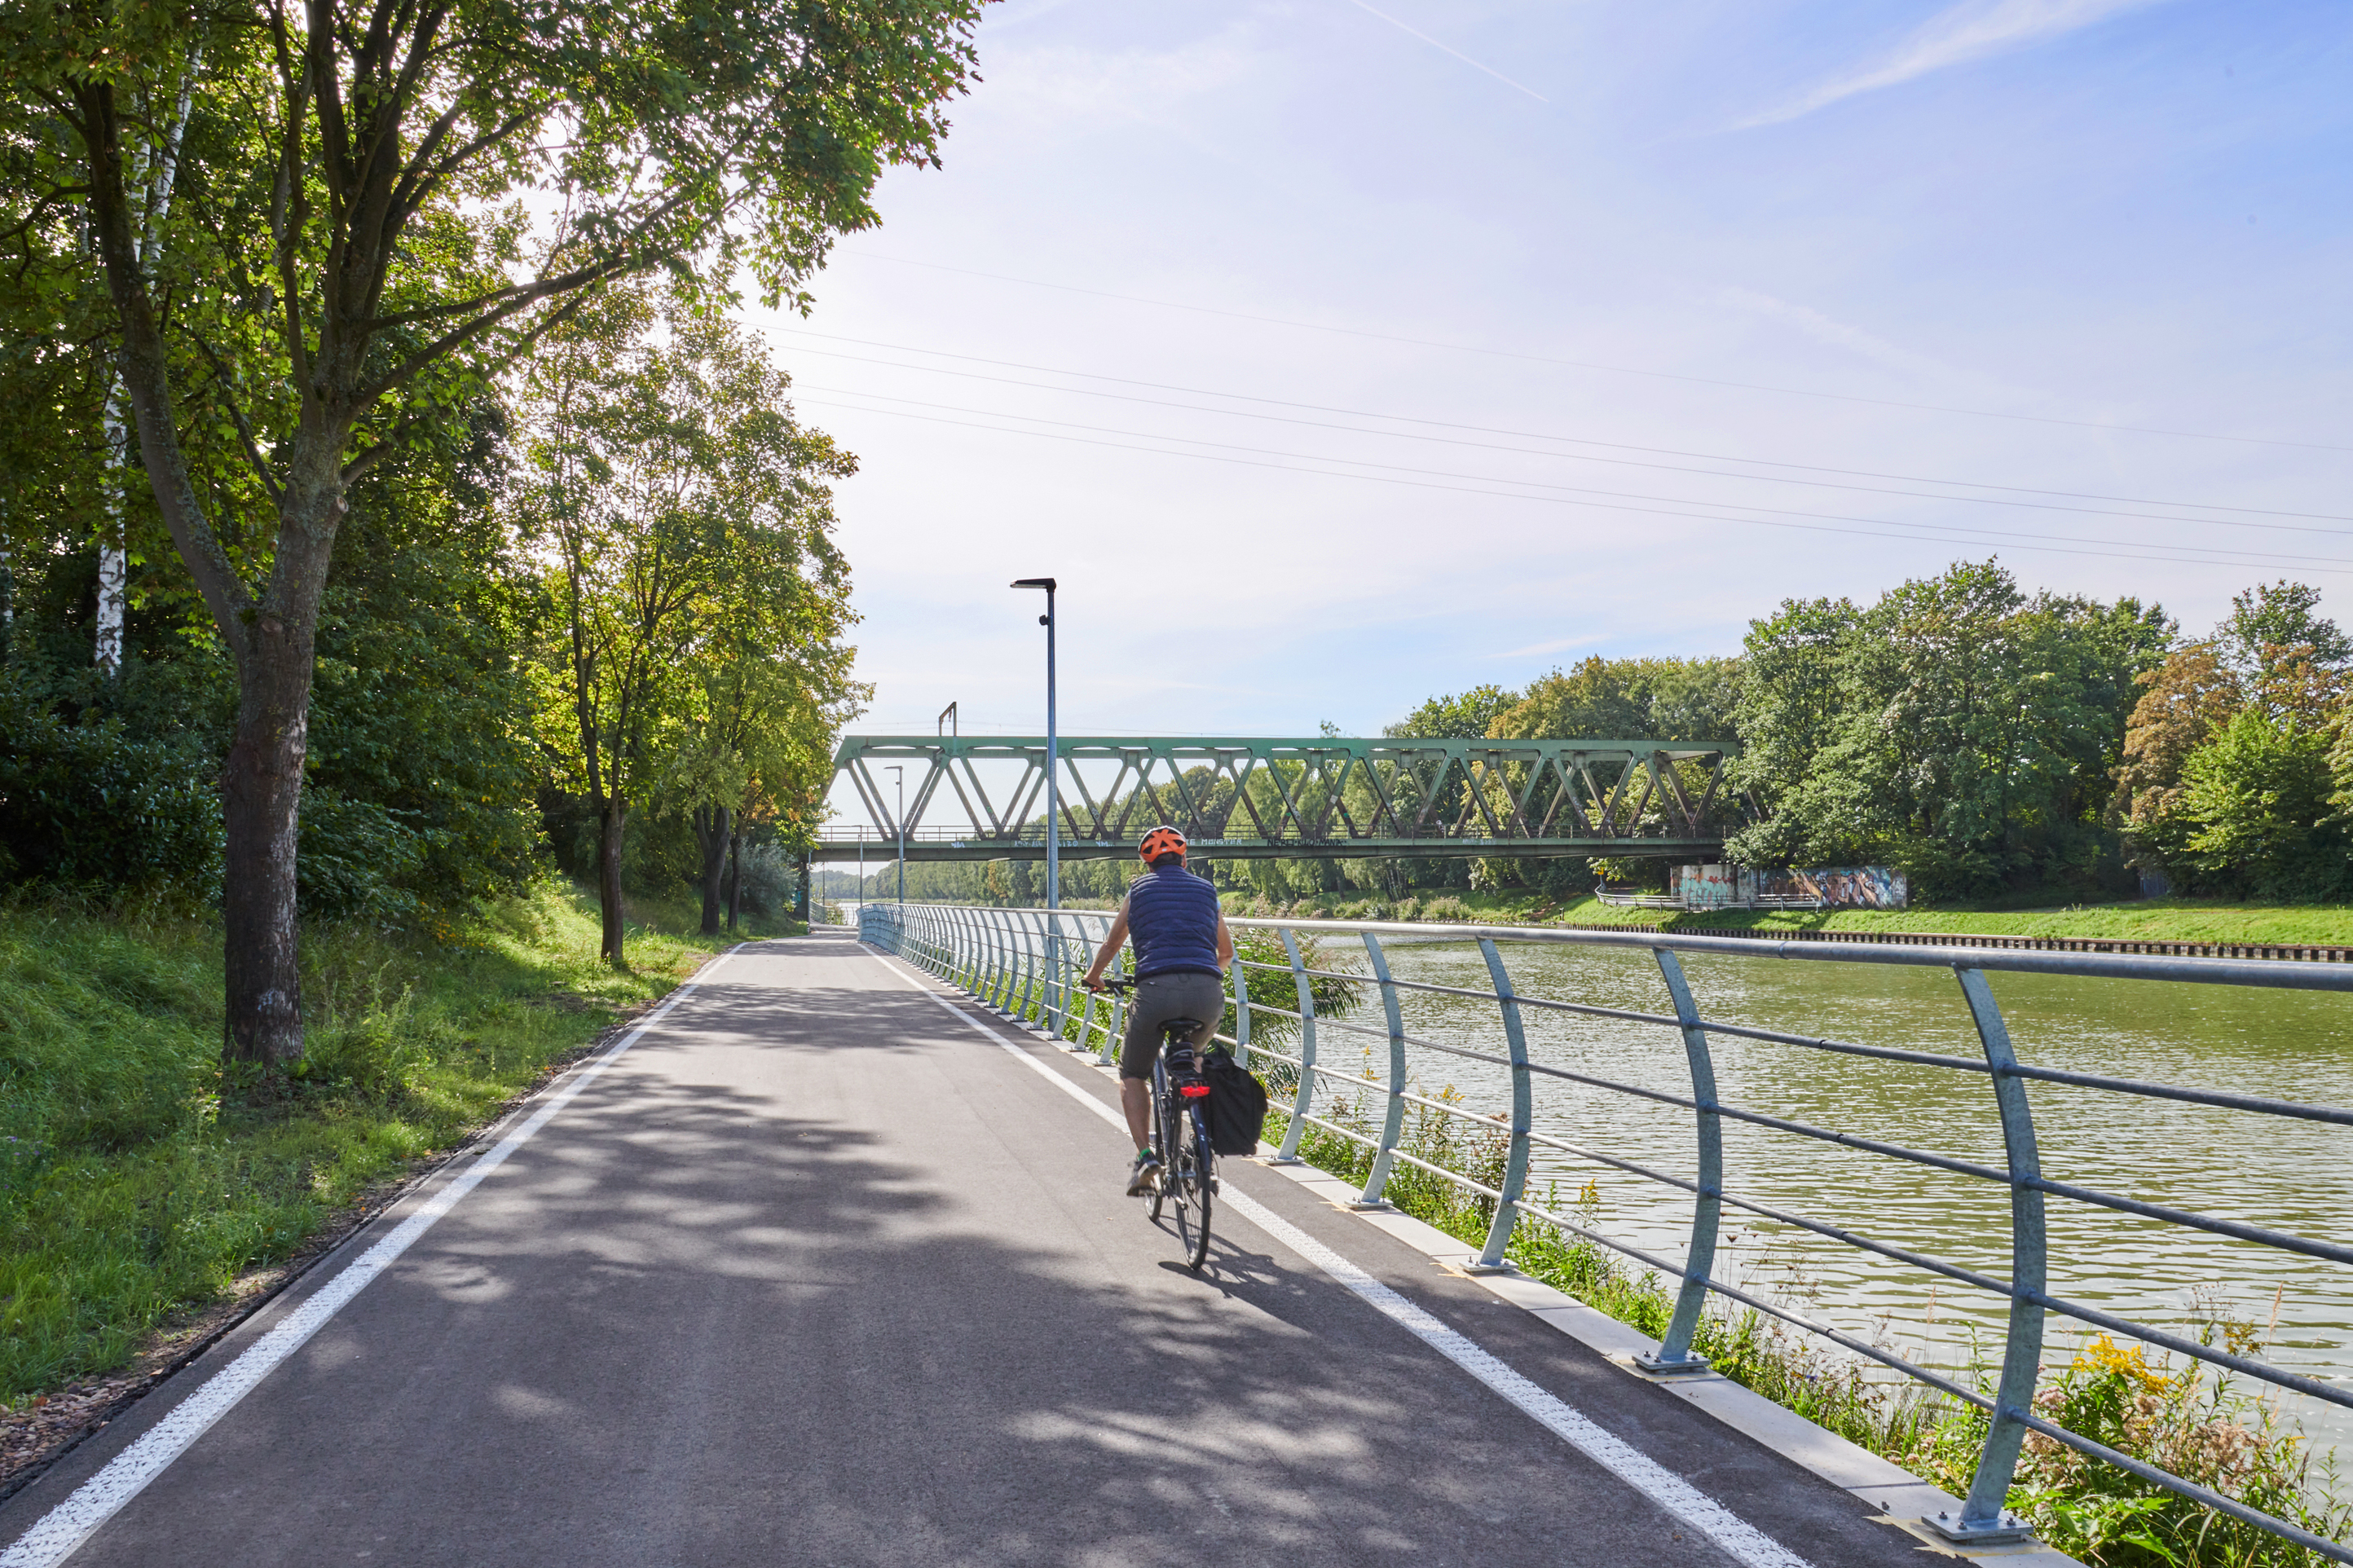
(1237, 1104)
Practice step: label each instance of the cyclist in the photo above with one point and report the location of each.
(1182, 949)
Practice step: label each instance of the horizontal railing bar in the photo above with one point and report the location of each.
(1464, 1111)
(2238, 1229)
(2270, 973)
(1373, 1144)
(2215, 1097)
(1934, 1379)
(1869, 1145)
(1582, 1152)
(1457, 1177)
(2190, 1489)
(2334, 1252)
(2296, 1381)
(2218, 1098)
(1847, 1047)
(1835, 1232)
(1342, 1075)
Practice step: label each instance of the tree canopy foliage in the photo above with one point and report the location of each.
(319, 231)
(696, 599)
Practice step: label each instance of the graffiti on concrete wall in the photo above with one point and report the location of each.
(1833, 886)
(1839, 886)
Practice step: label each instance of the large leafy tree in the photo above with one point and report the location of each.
(379, 205)
(696, 592)
(1959, 728)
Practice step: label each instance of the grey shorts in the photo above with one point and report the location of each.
(1159, 998)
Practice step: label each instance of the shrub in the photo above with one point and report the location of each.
(88, 803)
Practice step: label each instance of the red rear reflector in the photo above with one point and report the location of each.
(1193, 1090)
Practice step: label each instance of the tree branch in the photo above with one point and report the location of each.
(146, 380)
(244, 427)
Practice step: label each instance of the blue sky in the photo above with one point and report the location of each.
(1442, 257)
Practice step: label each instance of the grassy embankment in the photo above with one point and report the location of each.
(2154, 919)
(138, 1182)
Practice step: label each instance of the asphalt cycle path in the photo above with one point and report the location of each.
(818, 1271)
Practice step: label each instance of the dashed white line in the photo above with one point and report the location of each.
(65, 1527)
(1742, 1540)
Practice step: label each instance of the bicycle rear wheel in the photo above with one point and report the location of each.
(1189, 1165)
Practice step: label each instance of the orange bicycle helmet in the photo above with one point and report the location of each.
(1161, 840)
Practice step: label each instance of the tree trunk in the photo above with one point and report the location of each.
(710, 837)
(612, 816)
(735, 872)
(261, 798)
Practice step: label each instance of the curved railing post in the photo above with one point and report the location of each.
(1699, 1257)
(1306, 1097)
(1025, 961)
(1097, 1004)
(1000, 954)
(1393, 1124)
(1057, 1010)
(1241, 1014)
(1515, 1165)
(1984, 1516)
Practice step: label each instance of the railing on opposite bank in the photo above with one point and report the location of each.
(1026, 964)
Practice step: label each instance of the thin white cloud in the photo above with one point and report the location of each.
(1557, 645)
(1836, 333)
(1458, 54)
(1972, 30)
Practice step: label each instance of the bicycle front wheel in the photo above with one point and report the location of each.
(1193, 1173)
(1165, 1135)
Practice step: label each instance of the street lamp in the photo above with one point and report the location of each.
(900, 778)
(1053, 823)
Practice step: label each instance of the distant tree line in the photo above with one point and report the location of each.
(1984, 741)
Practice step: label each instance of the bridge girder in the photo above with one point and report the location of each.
(1321, 797)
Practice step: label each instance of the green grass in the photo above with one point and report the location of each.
(2154, 919)
(138, 1180)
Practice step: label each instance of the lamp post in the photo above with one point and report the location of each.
(901, 780)
(1056, 1007)
(1053, 821)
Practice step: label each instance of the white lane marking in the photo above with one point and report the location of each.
(1745, 1543)
(65, 1527)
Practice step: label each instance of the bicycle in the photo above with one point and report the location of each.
(1188, 1165)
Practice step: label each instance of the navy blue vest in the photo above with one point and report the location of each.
(1172, 915)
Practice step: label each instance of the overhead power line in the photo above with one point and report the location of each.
(1921, 532)
(1595, 365)
(2012, 498)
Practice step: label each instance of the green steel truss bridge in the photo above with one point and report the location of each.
(1324, 797)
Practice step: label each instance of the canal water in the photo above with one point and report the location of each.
(2290, 1176)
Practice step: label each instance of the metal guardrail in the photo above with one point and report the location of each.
(1026, 964)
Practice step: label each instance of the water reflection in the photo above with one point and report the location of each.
(2286, 1174)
